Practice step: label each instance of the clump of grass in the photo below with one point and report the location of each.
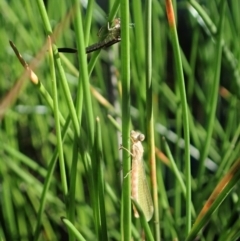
(174, 77)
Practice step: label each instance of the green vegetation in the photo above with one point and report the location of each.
(62, 175)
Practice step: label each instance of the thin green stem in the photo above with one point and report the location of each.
(125, 71)
(47, 182)
(214, 95)
(83, 77)
(181, 86)
(44, 16)
(88, 20)
(150, 118)
(177, 174)
(57, 120)
(114, 10)
(219, 194)
(73, 230)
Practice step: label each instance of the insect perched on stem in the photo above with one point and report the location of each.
(108, 35)
(139, 187)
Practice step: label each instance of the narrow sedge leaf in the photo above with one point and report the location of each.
(219, 194)
(143, 221)
(73, 229)
(170, 13)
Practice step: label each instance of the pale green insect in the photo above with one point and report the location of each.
(139, 186)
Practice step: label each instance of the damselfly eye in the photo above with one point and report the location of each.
(141, 137)
(136, 136)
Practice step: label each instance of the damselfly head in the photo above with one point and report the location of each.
(136, 136)
(112, 27)
(116, 23)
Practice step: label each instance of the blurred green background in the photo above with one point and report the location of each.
(28, 134)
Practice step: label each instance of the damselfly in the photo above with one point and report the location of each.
(108, 35)
(139, 187)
